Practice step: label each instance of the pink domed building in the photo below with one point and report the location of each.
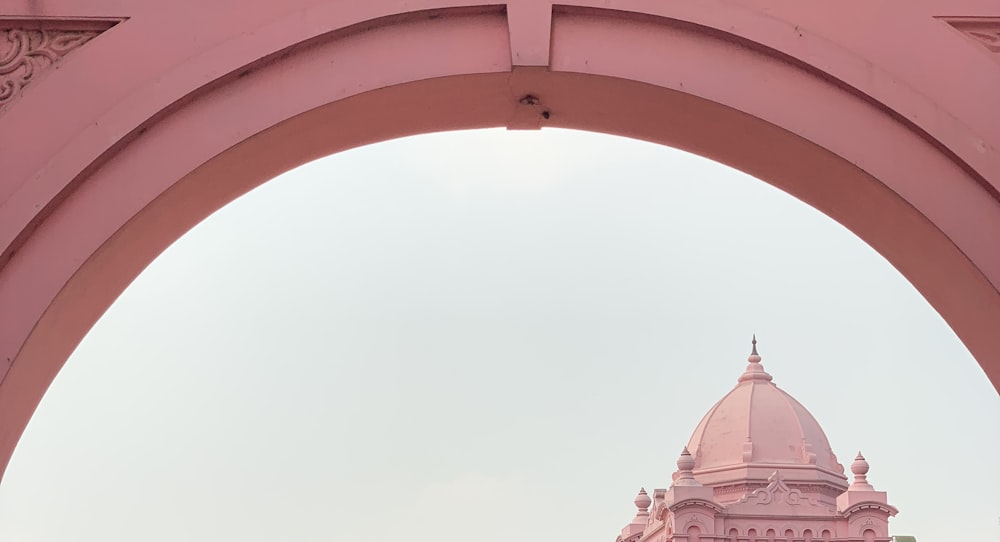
(759, 468)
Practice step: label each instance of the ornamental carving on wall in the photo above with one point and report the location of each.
(984, 31)
(26, 52)
(778, 491)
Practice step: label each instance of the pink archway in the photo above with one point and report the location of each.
(123, 124)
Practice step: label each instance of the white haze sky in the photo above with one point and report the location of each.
(488, 336)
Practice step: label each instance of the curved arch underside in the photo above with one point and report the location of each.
(136, 120)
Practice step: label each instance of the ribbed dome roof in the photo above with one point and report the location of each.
(756, 425)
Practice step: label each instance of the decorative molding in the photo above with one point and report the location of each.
(857, 525)
(870, 506)
(695, 502)
(695, 518)
(659, 510)
(776, 487)
(30, 46)
(984, 31)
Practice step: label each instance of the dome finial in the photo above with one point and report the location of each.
(754, 371)
(754, 356)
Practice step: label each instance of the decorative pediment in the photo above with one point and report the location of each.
(778, 491)
(30, 46)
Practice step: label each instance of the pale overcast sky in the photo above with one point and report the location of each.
(489, 336)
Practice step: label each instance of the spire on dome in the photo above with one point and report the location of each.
(755, 371)
(860, 469)
(685, 470)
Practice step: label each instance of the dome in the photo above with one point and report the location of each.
(756, 428)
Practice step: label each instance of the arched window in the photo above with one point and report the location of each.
(770, 535)
(733, 535)
(694, 534)
(826, 535)
(869, 535)
(807, 535)
(789, 535)
(752, 535)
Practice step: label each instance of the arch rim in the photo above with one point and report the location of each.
(501, 86)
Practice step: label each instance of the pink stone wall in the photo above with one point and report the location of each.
(124, 123)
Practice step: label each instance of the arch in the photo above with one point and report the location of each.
(140, 155)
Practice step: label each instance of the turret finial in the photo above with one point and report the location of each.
(685, 468)
(860, 469)
(642, 502)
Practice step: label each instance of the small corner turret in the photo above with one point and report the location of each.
(867, 511)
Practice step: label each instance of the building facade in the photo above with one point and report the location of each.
(759, 468)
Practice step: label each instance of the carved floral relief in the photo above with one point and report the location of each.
(24, 53)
